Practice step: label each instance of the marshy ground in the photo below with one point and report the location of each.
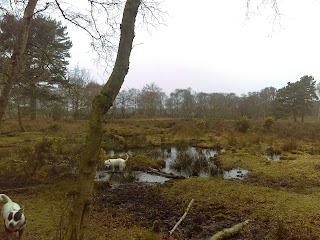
(280, 197)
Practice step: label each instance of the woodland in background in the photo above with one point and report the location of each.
(73, 100)
(47, 88)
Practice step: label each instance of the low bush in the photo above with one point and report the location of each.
(243, 124)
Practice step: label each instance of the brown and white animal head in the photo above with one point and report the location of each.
(13, 217)
(116, 162)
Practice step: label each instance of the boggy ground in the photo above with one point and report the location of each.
(129, 212)
(146, 207)
(280, 197)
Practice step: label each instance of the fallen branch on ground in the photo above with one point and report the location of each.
(228, 232)
(163, 174)
(183, 216)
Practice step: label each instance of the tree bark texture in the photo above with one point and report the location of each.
(16, 58)
(79, 215)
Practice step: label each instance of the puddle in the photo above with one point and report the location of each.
(150, 178)
(273, 157)
(236, 173)
(117, 178)
(272, 153)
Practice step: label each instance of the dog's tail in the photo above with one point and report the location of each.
(5, 198)
(127, 156)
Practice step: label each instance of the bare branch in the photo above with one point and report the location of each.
(261, 3)
(72, 19)
(41, 10)
(273, 4)
(100, 20)
(151, 13)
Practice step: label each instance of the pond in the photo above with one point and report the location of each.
(198, 163)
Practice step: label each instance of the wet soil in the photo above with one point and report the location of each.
(147, 208)
(135, 204)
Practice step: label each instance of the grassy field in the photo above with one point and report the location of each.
(280, 197)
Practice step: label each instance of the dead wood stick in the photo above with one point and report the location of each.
(228, 232)
(183, 216)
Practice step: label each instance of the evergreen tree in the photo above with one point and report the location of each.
(45, 63)
(295, 99)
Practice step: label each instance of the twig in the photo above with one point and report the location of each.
(183, 216)
(228, 232)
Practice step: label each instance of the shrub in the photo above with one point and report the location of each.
(268, 122)
(119, 139)
(49, 156)
(201, 123)
(199, 164)
(243, 124)
(183, 162)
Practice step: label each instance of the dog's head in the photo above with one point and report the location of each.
(15, 220)
(107, 163)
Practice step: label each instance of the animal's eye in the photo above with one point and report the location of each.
(17, 216)
(10, 216)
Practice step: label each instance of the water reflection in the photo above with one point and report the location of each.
(199, 160)
(193, 155)
(116, 178)
(237, 173)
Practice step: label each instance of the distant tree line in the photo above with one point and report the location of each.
(73, 100)
(297, 99)
(50, 90)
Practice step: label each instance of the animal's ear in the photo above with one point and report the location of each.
(21, 210)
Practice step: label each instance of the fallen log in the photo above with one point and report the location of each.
(183, 216)
(163, 174)
(229, 232)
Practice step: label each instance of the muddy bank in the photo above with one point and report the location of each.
(145, 205)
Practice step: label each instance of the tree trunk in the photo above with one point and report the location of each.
(16, 58)
(20, 119)
(78, 218)
(33, 102)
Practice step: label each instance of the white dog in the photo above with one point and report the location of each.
(13, 216)
(116, 162)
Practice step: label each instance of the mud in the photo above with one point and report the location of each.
(145, 206)
(137, 204)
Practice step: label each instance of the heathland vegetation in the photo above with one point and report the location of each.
(38, 169)
(58, 126)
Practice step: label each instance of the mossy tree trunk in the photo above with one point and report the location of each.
(79, 215)
(16, 58)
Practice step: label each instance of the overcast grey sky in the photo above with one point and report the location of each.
(209, 46)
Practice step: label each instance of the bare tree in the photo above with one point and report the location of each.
(150, 100)
(101, 104)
